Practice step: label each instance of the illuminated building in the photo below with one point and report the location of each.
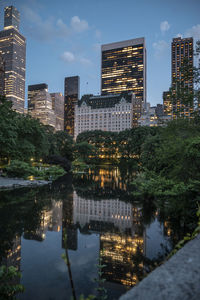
(13, 51)
(58, 108)
(2, 76)
(123, 68)
(182, 80)
(40, 104)
(72, 95)
(167, 104)
(108, 113)
(153, 116)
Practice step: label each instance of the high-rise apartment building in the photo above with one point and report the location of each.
(40, 104)
(123, 68)
(2, 76)
(13, 51)
(72, 95)
(58, 108)
(179, 101)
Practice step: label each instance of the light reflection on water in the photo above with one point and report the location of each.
(99, 222)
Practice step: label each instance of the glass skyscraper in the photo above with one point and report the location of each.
(123, 68)
(13, 52)
(72, 95)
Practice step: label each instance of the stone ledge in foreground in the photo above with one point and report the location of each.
(13, 183)
(178, 278)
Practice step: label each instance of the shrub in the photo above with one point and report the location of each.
(19, 169)
(51, 173)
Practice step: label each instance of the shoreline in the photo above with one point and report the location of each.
(7, 183)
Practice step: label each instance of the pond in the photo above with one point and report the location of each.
(92, 221)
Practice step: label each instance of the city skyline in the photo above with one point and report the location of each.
(68, 38)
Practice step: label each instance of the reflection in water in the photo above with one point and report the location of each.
(96, 211)
(50, 220)
(120, 231)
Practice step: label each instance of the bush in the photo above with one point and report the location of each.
(19, 169)
(8, 290)
(51, 173)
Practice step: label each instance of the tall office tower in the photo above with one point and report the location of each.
(2, 76)
(58, 107)
(181, 101)
(13, 51)
(72, 95)
(123, 68)
(40, 104)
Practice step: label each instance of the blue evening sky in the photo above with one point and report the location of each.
(64, 37)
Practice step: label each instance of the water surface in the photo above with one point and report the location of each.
(92, 219)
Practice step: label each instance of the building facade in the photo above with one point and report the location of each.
(58, 108)
(40, 104)
(123, 68)
(153, 116)
(13, 51)
(108, 113)
(71, 97)
(179, 101)
(2, 76)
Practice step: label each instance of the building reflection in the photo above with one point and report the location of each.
(13, 255)
(50, 220)
(12, 258)
(120, 230)
(69, 228)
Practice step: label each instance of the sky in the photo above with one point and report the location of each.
(64, 37)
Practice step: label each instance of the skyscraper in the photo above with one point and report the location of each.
(180, 100)
(13, 51)
(2, 76)
(40, 104)
(58, 108)
(123, 68)
(72, 95)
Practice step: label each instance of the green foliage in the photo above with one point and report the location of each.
(24, 170)
(90, 297)
(20, 169)
(188, 237)
(50, 173)
(8, 290)
(22, 137)
(78, 165)
(84, 150)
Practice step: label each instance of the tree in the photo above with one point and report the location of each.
(84, 150)
(8, 134)
(64, 144)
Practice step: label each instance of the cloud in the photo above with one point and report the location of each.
(85, 61)
(164, 26)
(68, 57)
(49, 29)
(193, 32)
(160, 48)
(78, 25)
(62, 28)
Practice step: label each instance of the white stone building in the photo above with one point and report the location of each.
(107, 113)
